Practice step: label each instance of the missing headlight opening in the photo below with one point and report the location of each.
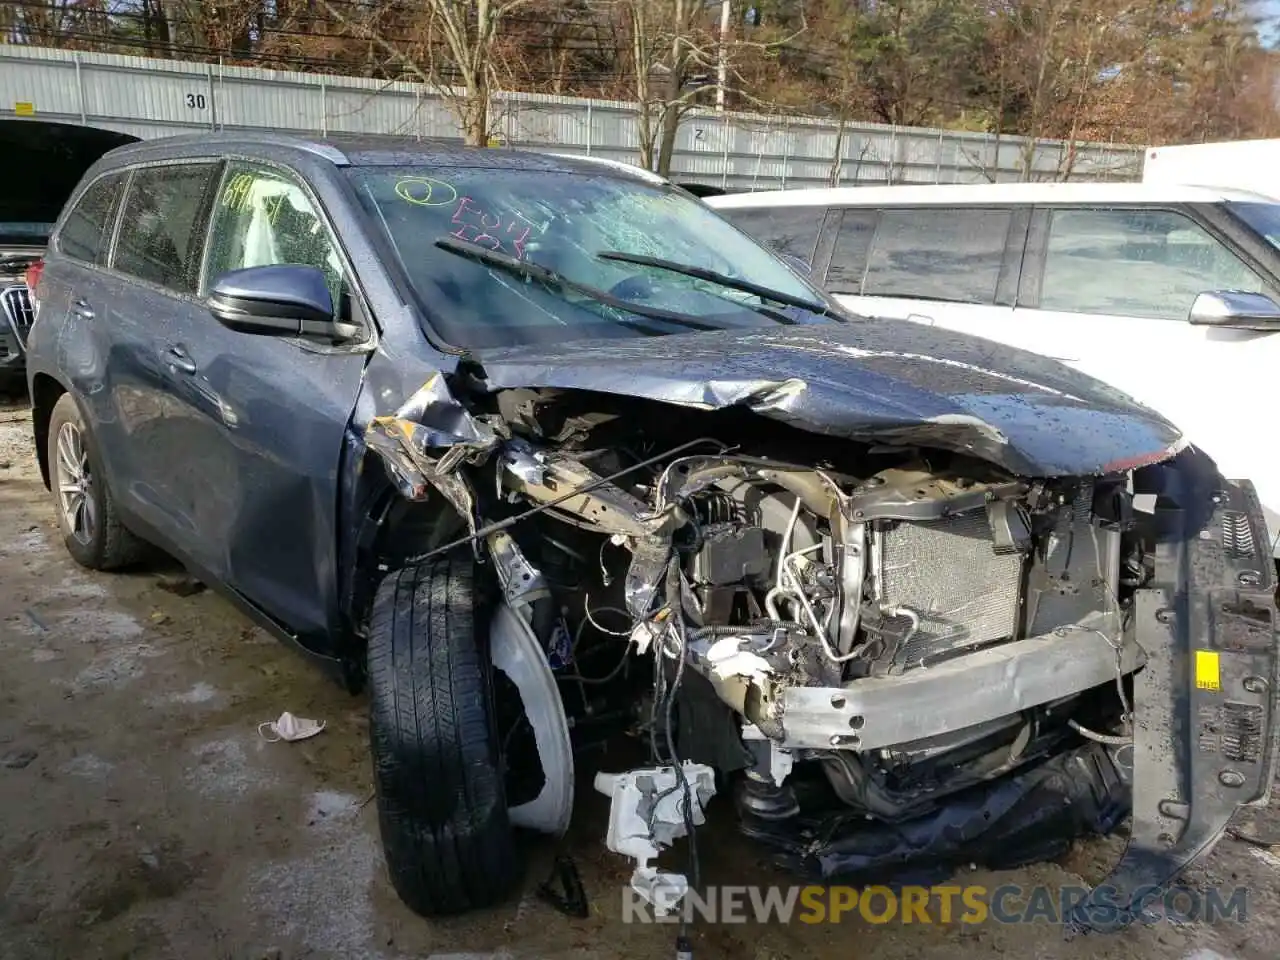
(894, 656)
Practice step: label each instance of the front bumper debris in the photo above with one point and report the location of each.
(921, 704)
(1205, 744)
(648, 810)
(1205, 740)
(1026, 817)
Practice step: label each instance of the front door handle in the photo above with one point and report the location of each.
(178, 358)
(82, 309)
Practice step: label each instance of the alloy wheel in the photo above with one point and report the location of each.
(75, 484)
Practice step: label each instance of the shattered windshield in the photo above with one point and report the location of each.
(586, 228)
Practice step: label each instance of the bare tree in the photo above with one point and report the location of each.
(665, 45)
(65, 23)
(680, 55)
(1120, 71)
(454, 47)
(1052, 60)
(1126, 71)
(552, 45)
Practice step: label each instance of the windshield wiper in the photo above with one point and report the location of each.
(711, 276)
(549, 277)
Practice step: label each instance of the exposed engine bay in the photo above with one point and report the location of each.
(844, 630)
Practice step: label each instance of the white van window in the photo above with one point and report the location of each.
(849, 258)
(788, 230)
(1135, 263)
(938, 253)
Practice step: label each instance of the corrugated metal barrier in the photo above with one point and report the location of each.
(150, 98)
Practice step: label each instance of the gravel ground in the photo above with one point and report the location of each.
(142, 816)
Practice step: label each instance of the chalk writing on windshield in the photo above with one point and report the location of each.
(506, 234)
(426, 192)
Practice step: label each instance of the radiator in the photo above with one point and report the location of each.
(947, 572)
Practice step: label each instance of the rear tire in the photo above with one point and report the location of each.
(442, 809)
(91, 528)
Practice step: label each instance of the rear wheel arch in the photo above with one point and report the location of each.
(94, 534)
(45, 393)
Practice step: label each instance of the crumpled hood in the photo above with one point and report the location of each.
(871, 380)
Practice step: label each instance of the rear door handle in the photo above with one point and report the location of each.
(82, 309)
(178, 358)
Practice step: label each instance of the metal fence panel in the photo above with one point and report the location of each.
(740, 151)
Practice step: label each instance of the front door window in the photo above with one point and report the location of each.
(263, 217)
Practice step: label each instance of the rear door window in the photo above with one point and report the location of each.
(849, 257)
(86, 231)
(1135, 263)
(792, 231)
(161, 236)
(938, 253)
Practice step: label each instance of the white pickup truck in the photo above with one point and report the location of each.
(1168, 289)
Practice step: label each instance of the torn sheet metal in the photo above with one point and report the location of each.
(649, 559)
(444, 422)
(423, 443)
(878, 381)
(522, 582)
(600, 506)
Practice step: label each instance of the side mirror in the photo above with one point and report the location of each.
(798, 264)
(283, 300)
(1235, 310)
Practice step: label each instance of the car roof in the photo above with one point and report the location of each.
(988, 193)
(368, 150)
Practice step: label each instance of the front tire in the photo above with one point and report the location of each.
(442, 808)
(91, 528)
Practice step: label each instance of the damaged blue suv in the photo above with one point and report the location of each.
(541, 451)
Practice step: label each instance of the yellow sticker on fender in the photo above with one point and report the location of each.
(1208, 676)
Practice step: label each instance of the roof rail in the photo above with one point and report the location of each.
(323, 150)
(621, 166)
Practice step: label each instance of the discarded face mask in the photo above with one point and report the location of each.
(289, 727)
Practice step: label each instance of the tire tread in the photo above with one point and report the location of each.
(441, 806)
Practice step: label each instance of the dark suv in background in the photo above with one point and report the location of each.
(16, 314)
(40, 165)
(544, 450)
